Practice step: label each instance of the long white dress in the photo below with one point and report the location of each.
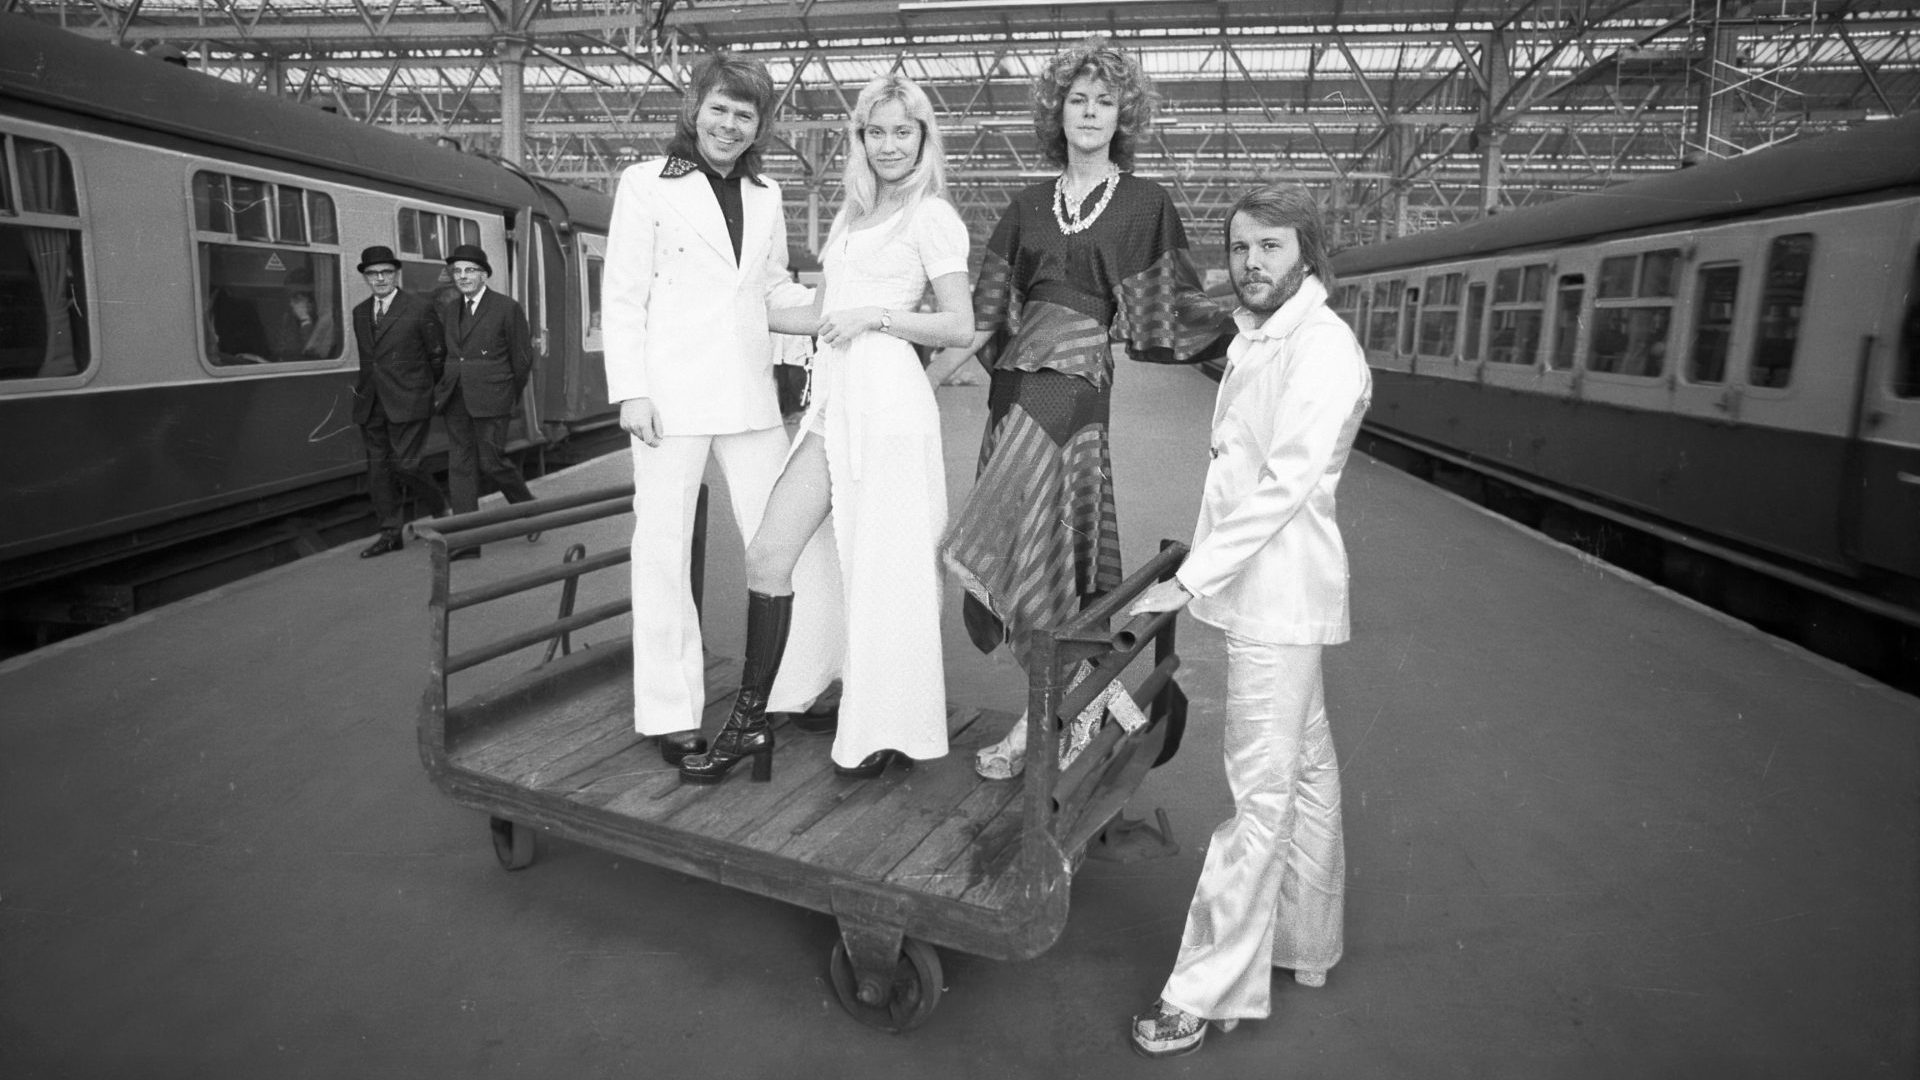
(874, 407)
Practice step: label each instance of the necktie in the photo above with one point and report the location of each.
(379, 312)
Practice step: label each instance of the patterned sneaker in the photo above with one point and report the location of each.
(1165, 1031)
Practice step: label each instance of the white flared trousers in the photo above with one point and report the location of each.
(669, 675)
(1273, 890)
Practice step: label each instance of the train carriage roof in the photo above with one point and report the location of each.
(1879, 156)
(44, 65)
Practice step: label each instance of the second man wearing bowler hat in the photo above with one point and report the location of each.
(401, 345)
(489, 358)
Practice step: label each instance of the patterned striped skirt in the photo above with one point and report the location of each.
(1038, 538)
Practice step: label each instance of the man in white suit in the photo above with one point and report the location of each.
(1267, 566)
(697, 248)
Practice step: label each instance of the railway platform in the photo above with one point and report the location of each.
(1593, 829)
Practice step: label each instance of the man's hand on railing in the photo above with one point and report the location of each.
(1167, 595)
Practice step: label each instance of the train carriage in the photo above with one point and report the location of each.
(176, 281)
(1725, 355)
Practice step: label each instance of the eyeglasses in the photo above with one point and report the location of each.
(378, 273)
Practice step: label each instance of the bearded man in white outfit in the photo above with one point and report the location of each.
(1267, 566)
(697, 247)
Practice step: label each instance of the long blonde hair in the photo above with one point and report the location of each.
(862, 186)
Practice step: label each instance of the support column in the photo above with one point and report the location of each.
(511, 54)
(1496, 68)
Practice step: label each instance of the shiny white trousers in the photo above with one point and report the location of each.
(1273, 890)
(669, 670)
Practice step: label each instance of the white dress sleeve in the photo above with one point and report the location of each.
(941, 238)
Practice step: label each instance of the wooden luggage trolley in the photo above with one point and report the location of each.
(932, 855)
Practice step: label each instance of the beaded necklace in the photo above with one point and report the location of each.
(1066, 212)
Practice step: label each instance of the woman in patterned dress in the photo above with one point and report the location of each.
(868, 452)
(1079, 265)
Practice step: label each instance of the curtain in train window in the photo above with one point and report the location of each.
(1782, 298)
(43, 304)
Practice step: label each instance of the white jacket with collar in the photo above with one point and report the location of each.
(1267, 562)
(683, 323)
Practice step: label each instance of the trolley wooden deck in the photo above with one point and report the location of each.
(933, 854)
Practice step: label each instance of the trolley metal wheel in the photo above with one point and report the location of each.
(513, 843)
(895, 1001)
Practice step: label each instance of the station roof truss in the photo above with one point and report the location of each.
(1409, 114)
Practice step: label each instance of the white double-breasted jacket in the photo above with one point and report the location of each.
(683, 322)
(1267, 562)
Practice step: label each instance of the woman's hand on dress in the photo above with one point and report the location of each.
(839, 328)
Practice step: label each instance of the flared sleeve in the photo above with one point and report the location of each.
(996, 293)
(1161, 314)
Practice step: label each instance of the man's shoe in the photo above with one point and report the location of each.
(389, 540)
(677, 746)
(872, 765)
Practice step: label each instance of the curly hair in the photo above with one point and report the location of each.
(1093, 56)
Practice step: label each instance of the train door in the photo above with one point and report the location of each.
(1718, 287)
(1888, 453)
(529, 287)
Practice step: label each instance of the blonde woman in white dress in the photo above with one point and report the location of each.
(868, 452)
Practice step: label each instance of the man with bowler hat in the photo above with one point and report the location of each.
(489, 358)
(401, 345)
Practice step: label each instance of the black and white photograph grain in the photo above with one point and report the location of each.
(959, 539)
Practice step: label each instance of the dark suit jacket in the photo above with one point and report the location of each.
(489, 356)
(400, 361)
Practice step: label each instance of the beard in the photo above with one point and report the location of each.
(1277, 295)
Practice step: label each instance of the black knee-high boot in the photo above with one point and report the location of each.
(747, 732)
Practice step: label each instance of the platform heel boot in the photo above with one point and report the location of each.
(747, 732)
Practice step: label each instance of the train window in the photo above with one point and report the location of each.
(593, 263)
(1783, 294)
(410, 231)
(1659, 270)
(1519, 297)
(1411, 307)
(1566, 320)
(270, 294)
(320, 219)
(1440, 315)
(1384, 322)
(1476, 312)
(1906, 372)
(1616, 276)
(1715, 289)
(429, 238)
(43, 304)
(1629, 333)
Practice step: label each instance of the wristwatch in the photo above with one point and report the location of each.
(886, 321)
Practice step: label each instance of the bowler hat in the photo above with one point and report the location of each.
(377, 255)
(471, 253)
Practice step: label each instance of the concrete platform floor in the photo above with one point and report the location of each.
(1593, 831)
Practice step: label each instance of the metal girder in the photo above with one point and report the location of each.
(1414, 113)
